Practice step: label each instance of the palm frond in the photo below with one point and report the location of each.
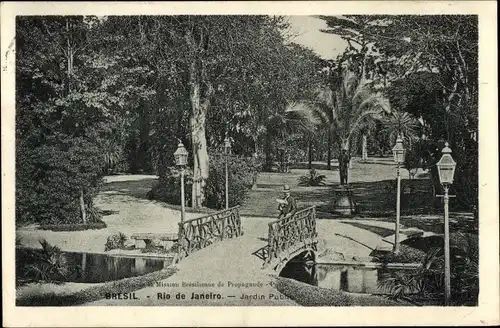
(400, 123)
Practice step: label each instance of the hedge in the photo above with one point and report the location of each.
(307, 295)
(74, 226)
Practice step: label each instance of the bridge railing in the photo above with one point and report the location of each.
(198, 233)
(287, 236)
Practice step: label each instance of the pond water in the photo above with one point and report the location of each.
(352, 279)
(94, 268)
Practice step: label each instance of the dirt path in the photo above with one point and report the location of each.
(127, 210)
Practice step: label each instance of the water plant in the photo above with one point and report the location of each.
(47, 263)
(427, 282)
(116, 241)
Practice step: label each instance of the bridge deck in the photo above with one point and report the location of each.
(232, 260)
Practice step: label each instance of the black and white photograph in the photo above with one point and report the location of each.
(257, 160)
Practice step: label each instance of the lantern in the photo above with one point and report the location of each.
(398, 151)
(227, 145)
(181, 155)
(446, 167)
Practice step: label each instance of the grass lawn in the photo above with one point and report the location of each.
(372, 184)
(126, 208)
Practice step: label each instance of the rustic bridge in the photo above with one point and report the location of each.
(223, 259)
(198, 233)
(286, 238)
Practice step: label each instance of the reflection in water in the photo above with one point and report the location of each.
(349, 279)
(337, 277)
(93, 268)
(101, 267)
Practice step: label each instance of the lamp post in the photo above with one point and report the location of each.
(227, 150)
(181, 156)
(399, 157)
(446, 169)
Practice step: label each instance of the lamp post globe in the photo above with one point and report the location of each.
(181, 155)
(399, 157)
(446, 167)
(227, 145)
(398, 151)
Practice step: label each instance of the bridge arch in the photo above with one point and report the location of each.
(301, 267)
(301, 256)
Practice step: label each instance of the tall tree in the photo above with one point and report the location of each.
(345, 106)
(439, 55)
(69, 96)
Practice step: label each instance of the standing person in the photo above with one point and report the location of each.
(287, 205)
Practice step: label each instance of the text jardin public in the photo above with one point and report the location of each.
(195, 296)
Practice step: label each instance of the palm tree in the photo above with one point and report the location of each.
(402, 124)
(277, 126)
(344, 109)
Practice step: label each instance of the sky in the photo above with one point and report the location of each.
(327, 46)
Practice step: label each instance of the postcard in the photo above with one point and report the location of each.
(249, 163)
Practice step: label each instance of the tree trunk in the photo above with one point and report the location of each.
(69, 57)
(364, 150)
(267, 150)
(82, 207)
(84, 265)
(344, 161)
(436, 187)
(310, 154)
(199, 108)
(144, 158)
(329, 153)
(343, 167)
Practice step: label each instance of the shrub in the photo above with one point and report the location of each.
(413, 159)
(74, 226)
(406, 254)
(116, 241)
(242, 175)
(168, 188)
(427, 281)
(312, 180)
(307, 295)
(50, 177)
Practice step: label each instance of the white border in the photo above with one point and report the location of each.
(487, 313)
